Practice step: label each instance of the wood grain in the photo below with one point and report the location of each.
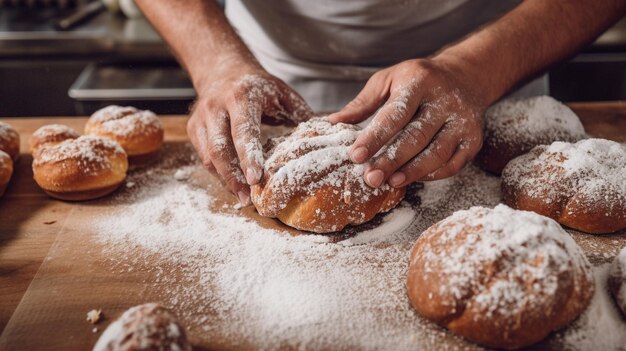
(30, 220)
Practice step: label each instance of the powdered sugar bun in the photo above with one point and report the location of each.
(617, 280)
(513, 127)
(499, 277)
(139, 132)
(9, 140)
(79, 169)
(310, 183)
(145, 327)
(6, 170)
(581, 185)
(51, 134)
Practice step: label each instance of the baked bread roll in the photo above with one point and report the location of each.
(9, 141)
(581, 185)
(513, 127)
(6, 171)
(144, 327)
(139, 132)
(499, 277)
(309, 182)
(80, 168)
(51, 134)
(617, 281)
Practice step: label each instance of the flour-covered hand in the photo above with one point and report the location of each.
(224, 126)
(427, 123)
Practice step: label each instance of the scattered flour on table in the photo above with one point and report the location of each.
(228, 277)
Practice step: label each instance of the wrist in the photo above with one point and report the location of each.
(485, 83)
(222, 69)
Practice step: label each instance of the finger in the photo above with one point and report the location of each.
(452, 167)
(408, 143)
(438, 152)
(373, 94)
(224, 157)
(198, 136)
(246, 133)
(387, 122)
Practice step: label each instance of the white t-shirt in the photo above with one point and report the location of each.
(327, 49)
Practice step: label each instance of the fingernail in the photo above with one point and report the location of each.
(359, 155)
(252, 176)
(244, 198)
(397, 178)
(375, 178)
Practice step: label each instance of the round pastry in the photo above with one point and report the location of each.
(513, 127)
(581, 185)
(139, 132)
(499, 277)
(84, 168)
(6, 170)
(617, 280)
(9, 140)
(51, 134)
(145, 327)
(310, 183)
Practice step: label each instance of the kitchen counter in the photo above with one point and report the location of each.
(103, 36)
(30, 220)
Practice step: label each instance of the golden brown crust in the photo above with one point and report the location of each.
(501, 278)
(309, 182)
(6, 171)
(79, 169)
(9, 141)
(138, 132)
(513, 127)
(51, 134)
(581, 185)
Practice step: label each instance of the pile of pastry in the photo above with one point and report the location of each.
(69, 166)
(503, 277)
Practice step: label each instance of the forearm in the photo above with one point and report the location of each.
(199, 35)
(527, 40)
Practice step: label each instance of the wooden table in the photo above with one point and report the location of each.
(30, 221)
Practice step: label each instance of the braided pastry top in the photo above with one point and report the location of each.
(310, 183)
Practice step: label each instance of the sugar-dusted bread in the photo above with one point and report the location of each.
(513, 127)
(310, 183)
(581, 185)
(144, 328)
(499, 277)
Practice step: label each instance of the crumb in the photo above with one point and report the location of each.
(182, 174)
(94, 330)
(49, 222)
(238, 206)
(94, 316)
(130, 184)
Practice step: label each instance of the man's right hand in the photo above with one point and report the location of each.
(224, 126)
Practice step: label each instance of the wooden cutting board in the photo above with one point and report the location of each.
(75, 277)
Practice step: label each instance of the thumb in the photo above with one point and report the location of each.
(364, 104)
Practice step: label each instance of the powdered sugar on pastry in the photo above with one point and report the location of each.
(532, 121)
(89, 151)
(126, 121)
(527, 247)
(593, 168)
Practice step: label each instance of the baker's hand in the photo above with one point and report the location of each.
(224, 126)
(430, 121)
